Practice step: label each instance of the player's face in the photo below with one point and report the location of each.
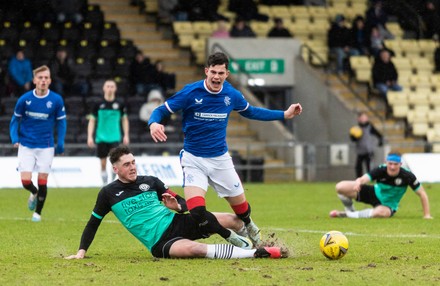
(215, 77)
(125, 168)
(109, 87)
(42, 80)
(393, 168)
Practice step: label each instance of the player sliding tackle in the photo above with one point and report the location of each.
(147, 209)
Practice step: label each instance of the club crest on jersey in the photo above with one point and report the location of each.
(144, 187)
(398, 181)
(115, 105)
(49, 104)
(227, 100)
(198, 101)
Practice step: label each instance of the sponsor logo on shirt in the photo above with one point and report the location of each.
(210, 115)
(37, 115)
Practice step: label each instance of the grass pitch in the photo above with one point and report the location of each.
(402, 250)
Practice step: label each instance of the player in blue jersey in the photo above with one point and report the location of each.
(36, 114)
(206, 106)
(147, 209)
(392, 181)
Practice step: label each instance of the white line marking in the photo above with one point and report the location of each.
(266, 229)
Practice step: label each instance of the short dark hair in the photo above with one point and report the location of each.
(116, 153)
(217, 59)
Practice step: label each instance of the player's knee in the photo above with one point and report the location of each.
(199, 214)
(26, 183)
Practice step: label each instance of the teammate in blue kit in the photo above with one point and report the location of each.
(206, 106)
(36, 114)
(147, 208)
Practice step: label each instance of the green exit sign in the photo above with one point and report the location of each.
(254, 66)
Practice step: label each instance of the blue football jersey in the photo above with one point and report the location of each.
(206, 114)
(37, 117)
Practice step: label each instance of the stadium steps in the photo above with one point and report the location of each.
(153, 42)
(394, 130)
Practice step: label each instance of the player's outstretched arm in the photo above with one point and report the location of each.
(425, 202)
(293, 110)
(157, 132)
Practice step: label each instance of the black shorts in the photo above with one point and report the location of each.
(183, 226)
(368, 195)
(102, 149)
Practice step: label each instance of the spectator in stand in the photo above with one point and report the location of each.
(155, 99)
(376, 42)
(431, 19)
(240, 29)
(221, 31)
(340, 43)
(164, 80)
(142, 74)
(376, 16)
(69, 10)
(20, 72)
(247, 10)
(385, 75)
(62, 72)
(360, 36)
(278, 30)
(165, 10)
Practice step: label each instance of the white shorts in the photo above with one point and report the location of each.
(35, 159)
(219, 172)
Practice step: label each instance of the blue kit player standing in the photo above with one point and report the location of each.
(36, 114)
(206, 106)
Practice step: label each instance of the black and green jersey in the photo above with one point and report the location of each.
(390, 190)
(108, 116)
(137, 206)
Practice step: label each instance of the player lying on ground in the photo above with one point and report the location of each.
(391, 184)
(143, 205)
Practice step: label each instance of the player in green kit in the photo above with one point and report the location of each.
(105, 123)
(391, 183)
(153, 214)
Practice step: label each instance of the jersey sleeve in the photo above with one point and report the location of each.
(414, 184)
(61, 110)
(102, 205)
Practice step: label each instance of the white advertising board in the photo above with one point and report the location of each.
(78, 172)
(423, 165)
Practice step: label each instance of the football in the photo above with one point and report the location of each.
(334, 245)
(356, 132)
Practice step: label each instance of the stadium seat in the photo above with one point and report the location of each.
(90, 33)
(94, 15)
(50, 31)
(45, 50)
(103, 68)
(9, 32)
(29, 32)
(121, 67)
(110, 33)
(203, 29)
(70, 32)
(184, 32)
(107, 50)
(75, 106)
(85, 50)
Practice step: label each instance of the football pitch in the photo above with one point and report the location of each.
(403, 250)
